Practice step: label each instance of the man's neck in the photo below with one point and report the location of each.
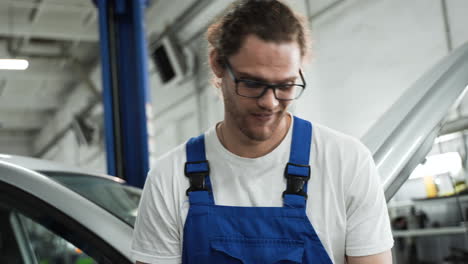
(236, 142)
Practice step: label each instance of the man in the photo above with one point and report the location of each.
(263, 186)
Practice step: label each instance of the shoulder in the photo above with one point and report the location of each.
(167, 165)
(332, 140)
(176, 154)
(338, 152)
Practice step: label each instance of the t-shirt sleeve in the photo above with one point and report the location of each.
(368, 230)
(156, 237)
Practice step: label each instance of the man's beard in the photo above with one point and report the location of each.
(242, 122)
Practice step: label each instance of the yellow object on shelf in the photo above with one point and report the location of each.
(460, 186)
(431, 188)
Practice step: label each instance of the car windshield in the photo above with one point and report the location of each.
(119, 199)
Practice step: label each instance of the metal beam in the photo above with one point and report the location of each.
(13, 120)
(56, 6)
(31, 103)
(125, 83)
(448, 33)
(7, 134)
(110, 87)
(49, 29)
(24, 49)
(44, 73)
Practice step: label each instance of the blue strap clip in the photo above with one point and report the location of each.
(297, 176)
(196, 171)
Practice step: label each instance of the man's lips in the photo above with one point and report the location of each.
(263, 116)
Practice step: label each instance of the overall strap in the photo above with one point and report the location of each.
(197, 170)
(297, 171)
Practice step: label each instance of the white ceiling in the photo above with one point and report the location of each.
(71, 20)
(58, 38)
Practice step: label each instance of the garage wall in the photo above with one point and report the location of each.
(366, 54)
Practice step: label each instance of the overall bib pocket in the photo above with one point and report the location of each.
(256, 250)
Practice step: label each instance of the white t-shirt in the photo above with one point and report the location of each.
(346, 204)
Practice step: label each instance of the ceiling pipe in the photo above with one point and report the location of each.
(33, 16)
(69, 6)
(186, 17)
(16, 52)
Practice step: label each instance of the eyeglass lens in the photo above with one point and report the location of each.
(256, 89)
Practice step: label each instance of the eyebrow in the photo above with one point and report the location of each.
(247, 76)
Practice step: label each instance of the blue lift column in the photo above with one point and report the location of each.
(125, 88)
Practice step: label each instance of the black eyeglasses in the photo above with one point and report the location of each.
(256, 89)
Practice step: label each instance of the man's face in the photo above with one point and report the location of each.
(259, 118)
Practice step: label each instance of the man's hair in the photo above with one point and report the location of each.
(270, 20)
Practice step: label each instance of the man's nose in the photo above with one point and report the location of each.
(268, 100)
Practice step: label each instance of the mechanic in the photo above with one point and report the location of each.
(263, 186)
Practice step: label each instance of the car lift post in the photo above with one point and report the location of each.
(125, 88)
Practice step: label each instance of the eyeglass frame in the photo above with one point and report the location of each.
(267, 85)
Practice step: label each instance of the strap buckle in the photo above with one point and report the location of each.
(196, 171)
(297, 176)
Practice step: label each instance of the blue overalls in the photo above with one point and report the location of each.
(251, 235)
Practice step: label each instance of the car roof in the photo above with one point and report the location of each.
(42, 165)
(98, 220)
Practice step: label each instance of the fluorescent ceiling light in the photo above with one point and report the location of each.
(13, 64)
(449, 162)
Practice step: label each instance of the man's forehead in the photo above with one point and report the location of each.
(272, 77)
(252, 45)
(267, 60)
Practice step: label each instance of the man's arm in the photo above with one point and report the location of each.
(368, 230)
(381, 258)
(156, 237)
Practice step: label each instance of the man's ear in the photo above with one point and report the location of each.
(217, 69)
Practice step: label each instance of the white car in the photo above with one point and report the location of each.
(50, 213)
